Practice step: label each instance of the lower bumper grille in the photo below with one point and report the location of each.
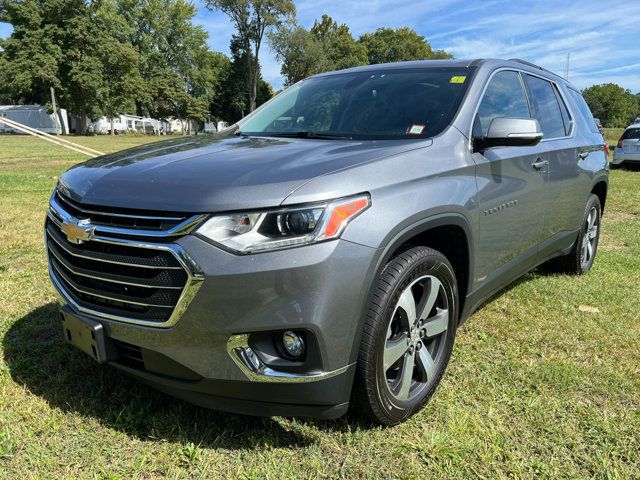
(120, 279)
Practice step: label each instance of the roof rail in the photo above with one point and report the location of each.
(524, 62)
(533, 65)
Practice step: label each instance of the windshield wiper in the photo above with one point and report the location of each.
(304, 134)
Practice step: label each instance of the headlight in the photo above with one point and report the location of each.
(259, 231)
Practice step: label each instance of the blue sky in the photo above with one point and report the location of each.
(603, 39)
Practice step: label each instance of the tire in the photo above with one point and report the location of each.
(424, 278)
(576, 262)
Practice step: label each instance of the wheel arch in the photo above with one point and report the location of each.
(450, 232)
(600, 190)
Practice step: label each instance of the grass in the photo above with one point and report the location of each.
(612, 135)
(544, 381)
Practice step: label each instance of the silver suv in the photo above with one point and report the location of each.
(324, 250)
(628, 147)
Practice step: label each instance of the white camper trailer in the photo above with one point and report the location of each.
(34, 116)
(130, 123)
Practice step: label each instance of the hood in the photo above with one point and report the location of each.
(213, 174)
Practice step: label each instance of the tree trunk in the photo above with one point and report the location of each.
(81, 124)
(139, 108)
(112, 133)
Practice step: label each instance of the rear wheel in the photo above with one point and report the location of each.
(408, 336)
(581, 258)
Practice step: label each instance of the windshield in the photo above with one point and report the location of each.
(387, 104)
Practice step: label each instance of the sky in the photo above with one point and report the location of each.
(602, 40)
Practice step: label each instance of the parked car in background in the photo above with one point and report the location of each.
(323, 251)
(628, 147)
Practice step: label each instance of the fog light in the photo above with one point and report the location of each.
(293, 344)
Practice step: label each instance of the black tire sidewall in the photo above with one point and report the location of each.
(427, 262)
(593, 201)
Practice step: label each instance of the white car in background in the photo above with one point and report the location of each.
(628, 147)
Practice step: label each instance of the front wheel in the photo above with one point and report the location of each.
(408, 336)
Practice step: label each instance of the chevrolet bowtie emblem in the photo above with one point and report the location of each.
(77, 232)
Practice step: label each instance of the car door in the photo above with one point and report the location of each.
(565, 153)
(511, 187)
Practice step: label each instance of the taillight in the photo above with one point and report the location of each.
(619, 145)
(606, 149)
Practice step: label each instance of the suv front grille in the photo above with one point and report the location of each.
(113, 277)
(122, 218)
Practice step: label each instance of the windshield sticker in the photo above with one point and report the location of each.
(458, 79)
(416, 129)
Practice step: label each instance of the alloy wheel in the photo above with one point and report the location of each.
(415, 337)
(589, 238)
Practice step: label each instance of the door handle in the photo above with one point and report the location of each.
(539, 164)
(584, 154)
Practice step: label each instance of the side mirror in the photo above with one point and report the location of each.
(510, 132)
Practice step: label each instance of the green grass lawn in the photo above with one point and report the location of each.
(544, 381)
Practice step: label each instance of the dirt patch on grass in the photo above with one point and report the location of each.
(609, 244)
(620, 216)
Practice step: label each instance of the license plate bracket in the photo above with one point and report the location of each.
(88, 336)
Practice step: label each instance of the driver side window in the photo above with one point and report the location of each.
(504, 97)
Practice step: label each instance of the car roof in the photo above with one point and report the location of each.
(633, 125)
(490, 63)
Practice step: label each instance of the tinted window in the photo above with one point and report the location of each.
(399, 103)
(631, 133)
(504, 97)
(566, 117)
(585, 113)
(545, 107)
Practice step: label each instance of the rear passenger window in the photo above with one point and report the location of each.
(545, 107)
(504, 97)
(584, 110)
(631, 133)
(566, 117)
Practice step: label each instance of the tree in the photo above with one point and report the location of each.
(300, 53)
(612, 104)
(402, 44)
(327, 46)
(171, 50)
(70, 46)
(30, 60)
(231, 103)
(252, 18)
(341, 48)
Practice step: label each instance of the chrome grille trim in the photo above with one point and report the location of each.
(85, 210)
(96, 259)
(106, 279)
(194, 274)
(183, 228)
(101, 295)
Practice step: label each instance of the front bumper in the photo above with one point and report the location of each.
(320, 288)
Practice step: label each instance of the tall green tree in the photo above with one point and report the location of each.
(387, 45)
(71, 45)
(172, 53)
(252, 19)
(231, 103)
(300, 53)
(31, 55)
(612, 104)
(340, 47)
(326, 46)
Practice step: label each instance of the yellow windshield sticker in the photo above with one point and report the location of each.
(458, 79)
